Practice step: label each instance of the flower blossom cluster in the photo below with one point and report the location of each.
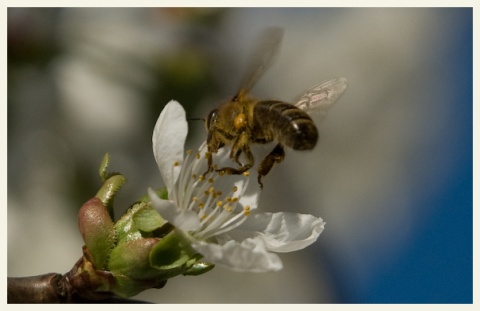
(218, 214)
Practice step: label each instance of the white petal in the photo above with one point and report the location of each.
(183, 219)
(168, 141)
(248, 256)
(285, 232)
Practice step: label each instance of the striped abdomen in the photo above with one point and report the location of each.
(285, 123)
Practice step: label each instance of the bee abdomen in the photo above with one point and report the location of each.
(287, 124)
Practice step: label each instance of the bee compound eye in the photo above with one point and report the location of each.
(212, 117)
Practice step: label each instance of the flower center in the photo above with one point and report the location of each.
(218, 210)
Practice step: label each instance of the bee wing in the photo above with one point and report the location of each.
(266, 49)
(321, 96)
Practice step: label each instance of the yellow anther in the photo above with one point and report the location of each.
(189, 151)
(201, 205)
(235, 199)
(197, 156)
(219, 203)
(203, 216)
(176, 163)
(228, 208)
(235, 188)
(194, 199)
(246, 174)
(208, 155)
(210, 180)
(219, 193)
(211, 190)
(228, 199)
(247, 208)
(194, 176)
(246, 213)
(201, 178)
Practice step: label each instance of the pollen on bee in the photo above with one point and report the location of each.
(240, 121)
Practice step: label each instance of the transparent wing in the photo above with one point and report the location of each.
(321, 96)
(266, 49)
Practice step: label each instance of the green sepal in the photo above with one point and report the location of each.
(173, 251)
(199, 268)
(97, 230)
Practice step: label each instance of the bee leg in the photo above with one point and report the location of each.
(242, 168)
(276, 156)
(210, 163)
(237, 155)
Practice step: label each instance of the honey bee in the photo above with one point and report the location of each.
(244, 120)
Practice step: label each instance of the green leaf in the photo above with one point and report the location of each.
(108, 190)
(125, 227)
(97, 230)
(102, 171)
(148, 219)
(132, 259)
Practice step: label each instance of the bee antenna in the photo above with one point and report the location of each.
(196, 119)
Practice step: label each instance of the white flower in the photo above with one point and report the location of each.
(218, 213)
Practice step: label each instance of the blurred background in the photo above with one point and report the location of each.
(391, 175)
